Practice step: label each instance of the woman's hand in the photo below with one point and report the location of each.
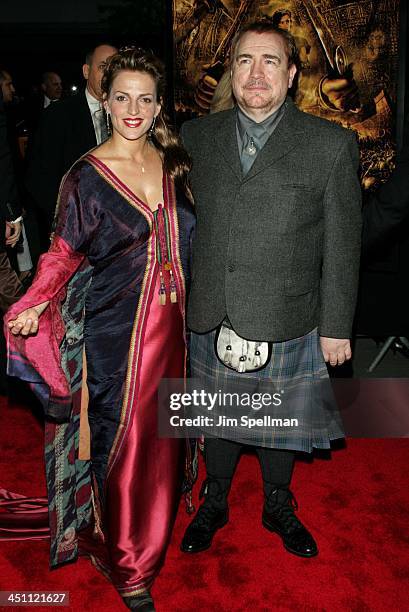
(27, 321)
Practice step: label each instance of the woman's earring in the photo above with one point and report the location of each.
(108, 118)
(152, 128)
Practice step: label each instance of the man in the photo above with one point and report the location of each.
(67, 130)
(275, 258)
(387, 211)
(51, 87)
(51, 92)
(10, 209)
(383, 303)
(7, 86)
(10, 286)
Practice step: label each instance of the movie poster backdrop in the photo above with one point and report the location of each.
(348, 63)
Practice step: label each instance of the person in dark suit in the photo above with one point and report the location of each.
(10, 208)
(387, 210)
(275, 262)
(10, 286)
(50, 92)
(383, 303)
(51, 86)
(66, 131)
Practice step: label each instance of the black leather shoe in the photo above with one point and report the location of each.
(144, 607)
(280, 518)
(199, 534)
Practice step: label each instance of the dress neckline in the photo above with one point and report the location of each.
(113, 179)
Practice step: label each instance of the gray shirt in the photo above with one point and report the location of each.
(252, 136)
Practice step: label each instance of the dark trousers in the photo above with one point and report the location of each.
(221, 458)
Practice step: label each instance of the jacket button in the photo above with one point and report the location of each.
(231, 268)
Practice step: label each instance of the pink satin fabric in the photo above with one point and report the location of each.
(143, 488)
(23, 518)
(42, 350)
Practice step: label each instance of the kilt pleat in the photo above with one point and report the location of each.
(298, 370)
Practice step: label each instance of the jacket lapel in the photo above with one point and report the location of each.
(225, 137)
(85, 124)
(284, 138)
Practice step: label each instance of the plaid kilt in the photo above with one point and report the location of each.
(297, 368)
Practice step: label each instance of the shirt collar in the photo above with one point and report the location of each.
(265, 128)
(46, 102)
(93, 103)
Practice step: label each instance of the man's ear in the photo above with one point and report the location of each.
(291, 74)
(85, 71)
(43, 87)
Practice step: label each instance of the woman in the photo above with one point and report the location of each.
(114, 281)
(282, 19)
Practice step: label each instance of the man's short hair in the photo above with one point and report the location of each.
(46, 76)
(90, 53)
(266, 27)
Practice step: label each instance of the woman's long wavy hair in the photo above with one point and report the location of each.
(176, 160)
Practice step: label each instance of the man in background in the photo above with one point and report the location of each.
(7, 86)
(16, 236)
(10, 209)
(66, 131)
(50, 92)
(51, 86)
(383, 302)
(10, 286)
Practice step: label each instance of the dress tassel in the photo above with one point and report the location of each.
(173, 294)
(162, 291)
(164, 254)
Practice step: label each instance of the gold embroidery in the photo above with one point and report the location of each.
(84, 451)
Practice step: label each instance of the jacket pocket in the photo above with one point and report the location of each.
(296, 187)
(301, 284)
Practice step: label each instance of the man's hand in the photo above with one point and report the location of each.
(336, 351)
(13, 231)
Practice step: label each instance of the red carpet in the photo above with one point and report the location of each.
(356, 504)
